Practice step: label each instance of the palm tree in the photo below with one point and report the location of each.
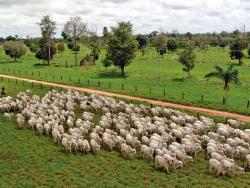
(227, 76)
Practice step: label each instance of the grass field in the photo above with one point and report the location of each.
(29, 160)
(143, 77)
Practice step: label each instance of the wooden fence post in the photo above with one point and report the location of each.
(164, 93)
(32, 84)
(248, 104)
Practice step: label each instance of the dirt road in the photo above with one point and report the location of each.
(140, 99)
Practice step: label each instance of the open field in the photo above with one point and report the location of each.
(30, 160)
(142, 75)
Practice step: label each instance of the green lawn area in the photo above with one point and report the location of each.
(143, 76)
(29, 160)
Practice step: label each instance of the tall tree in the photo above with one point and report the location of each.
(48, 28)
(187, 59)
(75, 28)
(122, 46)
(227, 76)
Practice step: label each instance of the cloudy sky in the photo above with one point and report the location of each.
(20, 16)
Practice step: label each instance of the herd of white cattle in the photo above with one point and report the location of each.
(168, 137)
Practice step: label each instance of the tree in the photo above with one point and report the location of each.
(223, 43)
(160, 43)
(32, 44)
(121, 47)
(14, 49)
(46, 51)
(227, 76)
(142, 41)
(48, 28)
(171, 45)
(189, 36)
(187, 59)
(75, 28)
(236, 51)
(94, 45)
(61, 48)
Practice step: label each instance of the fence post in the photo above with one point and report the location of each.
(248, 104)
(32, 84)
(41, 86)
(164, 92)
(198, 115)
(99, 84)
(51, 88)
(122, 86)
(202, 98)
(224, 100)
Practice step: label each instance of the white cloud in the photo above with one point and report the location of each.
(20, 16)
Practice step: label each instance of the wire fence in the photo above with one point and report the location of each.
(158, 93)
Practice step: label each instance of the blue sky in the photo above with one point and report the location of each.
(20, 16)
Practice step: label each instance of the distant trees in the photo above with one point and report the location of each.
(121, 47)
(171, 45)
(11, 38)
(61, 48)
(14, 49)
(75, 28)
(46, 45)
(227, 76)
(187, 59)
